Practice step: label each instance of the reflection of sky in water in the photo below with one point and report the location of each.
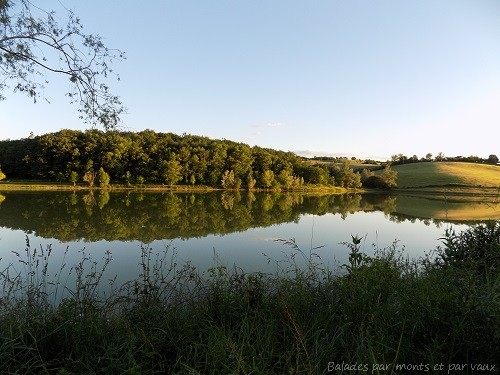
(245, 249)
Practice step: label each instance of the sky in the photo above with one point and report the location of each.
(357, 78)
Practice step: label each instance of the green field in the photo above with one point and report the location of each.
(437, 174)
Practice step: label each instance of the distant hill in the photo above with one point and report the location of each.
(447, 173)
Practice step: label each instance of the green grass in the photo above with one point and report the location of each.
(447, 173)
(382, 310)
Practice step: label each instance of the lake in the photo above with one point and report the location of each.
(223, 228)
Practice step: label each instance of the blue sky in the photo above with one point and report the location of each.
(361, 78)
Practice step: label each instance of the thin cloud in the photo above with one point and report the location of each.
(252, 136)
(272, 125)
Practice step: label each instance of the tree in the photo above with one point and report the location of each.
(33, 44)
(389, 177)
(267, 178)
(251, 181)
(73, 177)
(103, 178)
(172, 172)
(439, 157)
(286, 179)
(230, 181)
(128, 177)
(366, 174)
(2, 175)
(492, 159)
(140, 180)
(346, 177)
(90, 177)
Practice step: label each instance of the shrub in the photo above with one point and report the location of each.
(376, 182)
(476, 248)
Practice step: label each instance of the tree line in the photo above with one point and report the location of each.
(98, 157)
(403, 159)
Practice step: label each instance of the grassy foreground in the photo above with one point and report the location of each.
(383, 314)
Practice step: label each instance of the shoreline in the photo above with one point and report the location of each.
(436, 191)
(54, 186)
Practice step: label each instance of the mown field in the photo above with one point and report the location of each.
(447, 173)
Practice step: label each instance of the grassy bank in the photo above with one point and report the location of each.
(384, 314)
(38, 185)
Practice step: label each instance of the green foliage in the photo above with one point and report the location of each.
(366, 174)
(389, 176)
(103, 178)
(158, 157)
(35, 41)
(172, 172)
(347, 177)
(386, 180)
(267, 178)
(73, 177)
(2, 175)
(440, 157)
(128, 177)
(251, 182)
(476, 248)
(229, 181)
(492, 159)
(376, 182)
(90, 177)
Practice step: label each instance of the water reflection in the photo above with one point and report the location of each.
(125, 216)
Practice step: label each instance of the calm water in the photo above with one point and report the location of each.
(237, 228)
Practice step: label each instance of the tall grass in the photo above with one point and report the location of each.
(382, 314)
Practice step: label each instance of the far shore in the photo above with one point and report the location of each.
(439, 192)
(13, 185)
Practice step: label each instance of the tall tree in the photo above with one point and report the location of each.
(492, 159)
(73, 177)
(33, 43)
(389, 177)
(103, 178)
(172, 172)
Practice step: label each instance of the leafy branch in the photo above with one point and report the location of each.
(33, 43)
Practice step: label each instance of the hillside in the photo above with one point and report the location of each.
(154, 158)
(447, 173)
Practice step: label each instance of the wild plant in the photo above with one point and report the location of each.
(162, 279)
(477, 247)
(28, 280)
(299, 265)
(356, 257)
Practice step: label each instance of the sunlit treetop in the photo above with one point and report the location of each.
(35, 45)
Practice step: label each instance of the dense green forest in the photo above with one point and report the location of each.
(150, 157)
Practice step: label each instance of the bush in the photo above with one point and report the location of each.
(376, 182)
(476, 248)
